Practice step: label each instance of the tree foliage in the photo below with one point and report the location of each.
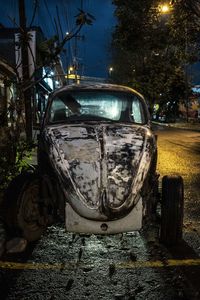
(151, 50)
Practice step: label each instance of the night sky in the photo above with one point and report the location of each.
(93, 47)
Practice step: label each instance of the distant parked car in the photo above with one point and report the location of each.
(166, 118)
(97, 161)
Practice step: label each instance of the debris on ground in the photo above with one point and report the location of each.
(16, 245)
(2, 238)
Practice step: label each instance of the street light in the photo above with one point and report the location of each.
(164, 8)
(71, 69)
(110, 70)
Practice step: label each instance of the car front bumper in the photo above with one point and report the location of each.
(79, 224)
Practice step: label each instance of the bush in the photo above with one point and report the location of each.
(14, 157)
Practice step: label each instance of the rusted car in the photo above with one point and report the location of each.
(97, 159)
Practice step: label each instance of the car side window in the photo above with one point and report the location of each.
(58, 111)
(137, 111)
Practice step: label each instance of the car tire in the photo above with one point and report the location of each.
(172, 208)
(22, 208)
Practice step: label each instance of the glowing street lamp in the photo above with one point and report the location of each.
(164, 8)
(71, 69)
(110, 70)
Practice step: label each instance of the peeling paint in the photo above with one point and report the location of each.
(119, 171)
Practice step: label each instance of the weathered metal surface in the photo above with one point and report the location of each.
(106, 164)
(132, 221)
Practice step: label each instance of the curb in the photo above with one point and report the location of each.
(175, 125)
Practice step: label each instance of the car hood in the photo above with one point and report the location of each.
(106, 165)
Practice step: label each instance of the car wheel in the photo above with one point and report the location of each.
(172, 206)
(23, 209)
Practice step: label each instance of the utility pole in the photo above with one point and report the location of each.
(77, 66)
(25, 70)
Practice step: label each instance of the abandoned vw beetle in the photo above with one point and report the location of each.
(97, 165)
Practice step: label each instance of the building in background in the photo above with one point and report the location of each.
(46, 78)
(7, 89)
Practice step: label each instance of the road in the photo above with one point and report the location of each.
(124, 266)
(179, 153)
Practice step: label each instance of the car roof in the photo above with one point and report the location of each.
(96, 86)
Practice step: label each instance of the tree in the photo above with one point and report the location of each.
(151, 50)
(13, 147)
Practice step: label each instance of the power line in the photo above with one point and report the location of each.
(70, 48)
(82, 4)
(52, 22)
(34, 12)
(60, 27)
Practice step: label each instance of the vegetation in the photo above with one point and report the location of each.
(15, 147)
(152, 49)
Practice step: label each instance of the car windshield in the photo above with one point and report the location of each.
(100, 105)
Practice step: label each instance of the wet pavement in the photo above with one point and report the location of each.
(179, 154)
(124, 266)
(128, 266)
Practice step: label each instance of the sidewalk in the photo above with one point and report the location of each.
(179, 124)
